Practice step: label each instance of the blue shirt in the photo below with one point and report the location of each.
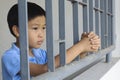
(11, 62)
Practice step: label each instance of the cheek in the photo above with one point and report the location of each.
(44, 34)
(31, 37)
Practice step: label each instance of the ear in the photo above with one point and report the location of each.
(15, 30)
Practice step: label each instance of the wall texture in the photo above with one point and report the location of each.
(116, 52)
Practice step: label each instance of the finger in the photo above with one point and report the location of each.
(96, 37)
(95, 48)
(91, 34)
(95, 43)
(95, 40)
(84, 34)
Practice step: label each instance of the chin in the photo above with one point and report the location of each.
(37, 47)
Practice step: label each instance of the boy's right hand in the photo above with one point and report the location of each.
(90, 42)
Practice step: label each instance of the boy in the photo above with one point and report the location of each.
(36, 33)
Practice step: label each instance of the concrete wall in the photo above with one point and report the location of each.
(116, 52)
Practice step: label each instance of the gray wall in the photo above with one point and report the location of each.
(116, 52)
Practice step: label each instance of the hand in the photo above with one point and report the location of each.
(95, 40)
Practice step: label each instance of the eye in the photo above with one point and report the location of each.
(35, 28)
(44, 27)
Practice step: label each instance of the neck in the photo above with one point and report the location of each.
(30, 49)
(17, 43)
(30, 52)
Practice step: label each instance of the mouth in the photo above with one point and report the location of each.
(40, 42)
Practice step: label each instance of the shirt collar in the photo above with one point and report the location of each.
(15, 47)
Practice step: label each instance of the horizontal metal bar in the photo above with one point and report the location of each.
(80, 2)
(60, 41)
(83, 3)
(98, 9)
(75, 0)
(75, 66)
(108, 13)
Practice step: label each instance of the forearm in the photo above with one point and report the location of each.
(37, 69)
(71, 54)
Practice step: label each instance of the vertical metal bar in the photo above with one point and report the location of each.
(106, 22)
(85, 18)
(109, 30)
(112, 10)
(97, 19)
(113, 22)
(75, 24)
(23, 29)
(96, 3)
(91, 15)
(102, 14)
(84, 1)
(110, 5)
(108, 57)
(62, 32)
(49, 35)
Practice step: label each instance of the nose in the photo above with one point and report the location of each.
(41, 33)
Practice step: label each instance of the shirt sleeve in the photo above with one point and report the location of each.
(11, 63)
(40, 55)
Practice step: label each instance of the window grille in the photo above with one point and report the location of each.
(97, 17)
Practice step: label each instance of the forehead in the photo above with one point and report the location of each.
(40, 20)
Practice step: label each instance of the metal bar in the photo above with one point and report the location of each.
(109, 30)
(85, 19)
(84, 1)
(108, 57)
(110, 6)
(75, 67)
(80, 2)
(91, 27)
(106, 22)
(96, 3)
(62, 32)
(113, 22)
(102, 24)
(49, 35)
(75, 24)
(97, 9)
(108, 13)
(97, 26)
(23, 29)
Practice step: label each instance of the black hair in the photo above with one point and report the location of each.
(34, 10)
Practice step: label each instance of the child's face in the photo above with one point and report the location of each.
(36, 31)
